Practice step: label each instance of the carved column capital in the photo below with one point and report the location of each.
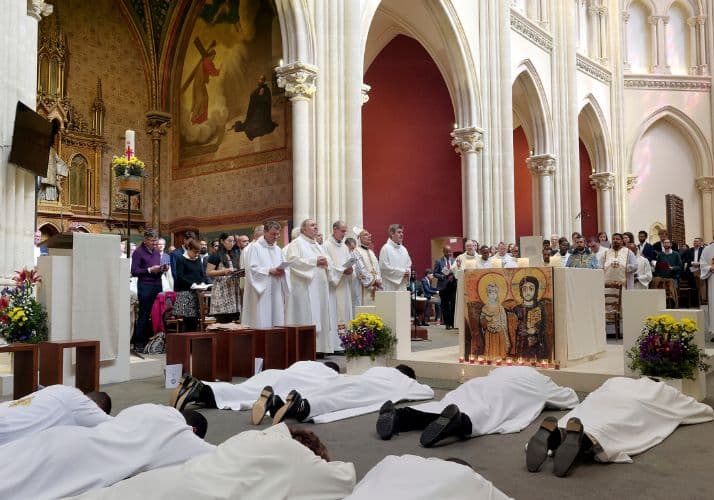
(653, 20)
(365, 93)
(631, 182)
(625, 16)
(298, 80)
(38, 8)
(542, 164)
(692, 22)
(705, 184)
(157, 122)
(701, 20)
(467, 140)
(602, 181)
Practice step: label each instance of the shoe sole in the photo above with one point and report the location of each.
(259, 407)
(537, 450)
(182, 400)
(385, 421)
(280, 414)
(434, 431)
(179, 390)
(569, 449)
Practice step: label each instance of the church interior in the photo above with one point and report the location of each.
(483, 120)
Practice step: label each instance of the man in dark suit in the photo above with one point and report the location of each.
(658, 248)
(446, 284)
(429, 291)
(690, 260)
(188, 236)
(644, 248)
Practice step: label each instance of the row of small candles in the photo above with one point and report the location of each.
(485, 360)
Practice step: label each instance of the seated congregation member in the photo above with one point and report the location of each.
(189, 271)
(669, 262)
(581, 256)
(505, 401)
(622, 417)
(277, 462)
(643, 275)
(222, 268)
(50, 407)
(429, 292)
(66, 460)
(419, 478)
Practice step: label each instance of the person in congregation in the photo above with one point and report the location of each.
(68, 460)
(620, 263)
(627, 238)
(643, 275)
(554, 238)
(602, 238)
(508, 400)
(581, 257)
(429, 292)
(645, 249)
(419, 478)
(189, 272)
(277, 462)
(621, 418)
(341, 277)
(562, 255)
(484, 261)
(668, 263)
(146, 267)
(658, 247)
(690, 261)
(50, 407)
(222, 268)
(394, 261)
(187, 237)
(507, 261)
(368, 272)
(309, 300)
(446, 284)
(266, 284)
(597, 250)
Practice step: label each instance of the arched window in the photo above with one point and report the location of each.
(639, 38)
(78, 181)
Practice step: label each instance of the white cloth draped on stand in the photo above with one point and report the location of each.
(264, 295)
(394, 262)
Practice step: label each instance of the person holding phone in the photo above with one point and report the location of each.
(146, 266)
(189, 270)
(222, 268)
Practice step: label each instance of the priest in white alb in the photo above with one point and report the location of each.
(706, 272)
(394, 261)
(309, 299)
(266, 285)
(367, 267)
(341, 276)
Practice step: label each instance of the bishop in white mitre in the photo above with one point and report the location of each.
(394, 261)
(341, 277)
(367, 268)
(309, 299)
(266, 285)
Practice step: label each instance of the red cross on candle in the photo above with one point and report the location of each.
(129, 152)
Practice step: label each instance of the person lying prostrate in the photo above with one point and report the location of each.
(69, 460)
(620, 418)
(274, 463)
(505, 401)
(49, 407)
(418, 478)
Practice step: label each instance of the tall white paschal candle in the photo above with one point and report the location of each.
(129, 148)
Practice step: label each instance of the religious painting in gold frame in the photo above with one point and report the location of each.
(509, 313)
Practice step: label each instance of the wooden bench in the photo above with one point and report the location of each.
(198, 352)
(24, 370)
(301, 342)
(52, 363)
(271, 344)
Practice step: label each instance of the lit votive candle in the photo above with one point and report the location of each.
(489, 361)
(509, 362)
(557, 365)
(472, 359)
(521, 362)
(461, 359)
(499, 361)
(481, 360)
(534, 362)
(544, 363)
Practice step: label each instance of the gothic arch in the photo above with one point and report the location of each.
(692, 8)
(690, 130)
(530, 106)
(296, 31)
(440, 32)
(593, 130)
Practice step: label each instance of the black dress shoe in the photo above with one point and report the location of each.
(388, 421)
(260, 407)
(295, 407)
(570, 449)
(447, 424)
(547, 437)
(189, 394)
(274, 404)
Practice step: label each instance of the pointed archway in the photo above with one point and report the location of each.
(596, 179)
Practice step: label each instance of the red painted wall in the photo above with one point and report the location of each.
(523, 185)
(588, 196)
(410, 172)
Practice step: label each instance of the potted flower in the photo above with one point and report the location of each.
(666, 349)
(129, 174)
(367, 342)
(22, 318)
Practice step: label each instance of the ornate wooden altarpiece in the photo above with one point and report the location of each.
(77, 203)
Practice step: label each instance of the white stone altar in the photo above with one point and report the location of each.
(395, 310)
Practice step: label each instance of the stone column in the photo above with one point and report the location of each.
(693, 59)
(706, 185)
(654, 40)
(602, 44)
(468, 142)
(542, 168)
(603, 183)
(156, 124)
(626, 55)
(663, 47)
(298, 80)
(18, 82)
(703, 66)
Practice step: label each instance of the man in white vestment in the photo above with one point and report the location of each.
(272, 463)
(368, 272)
(309, 299)
(505, 401)
(643, 275)
(64, 461)
(419, 478)
(467, 260)
(485, 261)
(506, 260)
(341, 276)
(50, 407)
(394, 261)
(622, 417)
(356, 285)
(266, 285)
(620, 263)
(706, 269)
